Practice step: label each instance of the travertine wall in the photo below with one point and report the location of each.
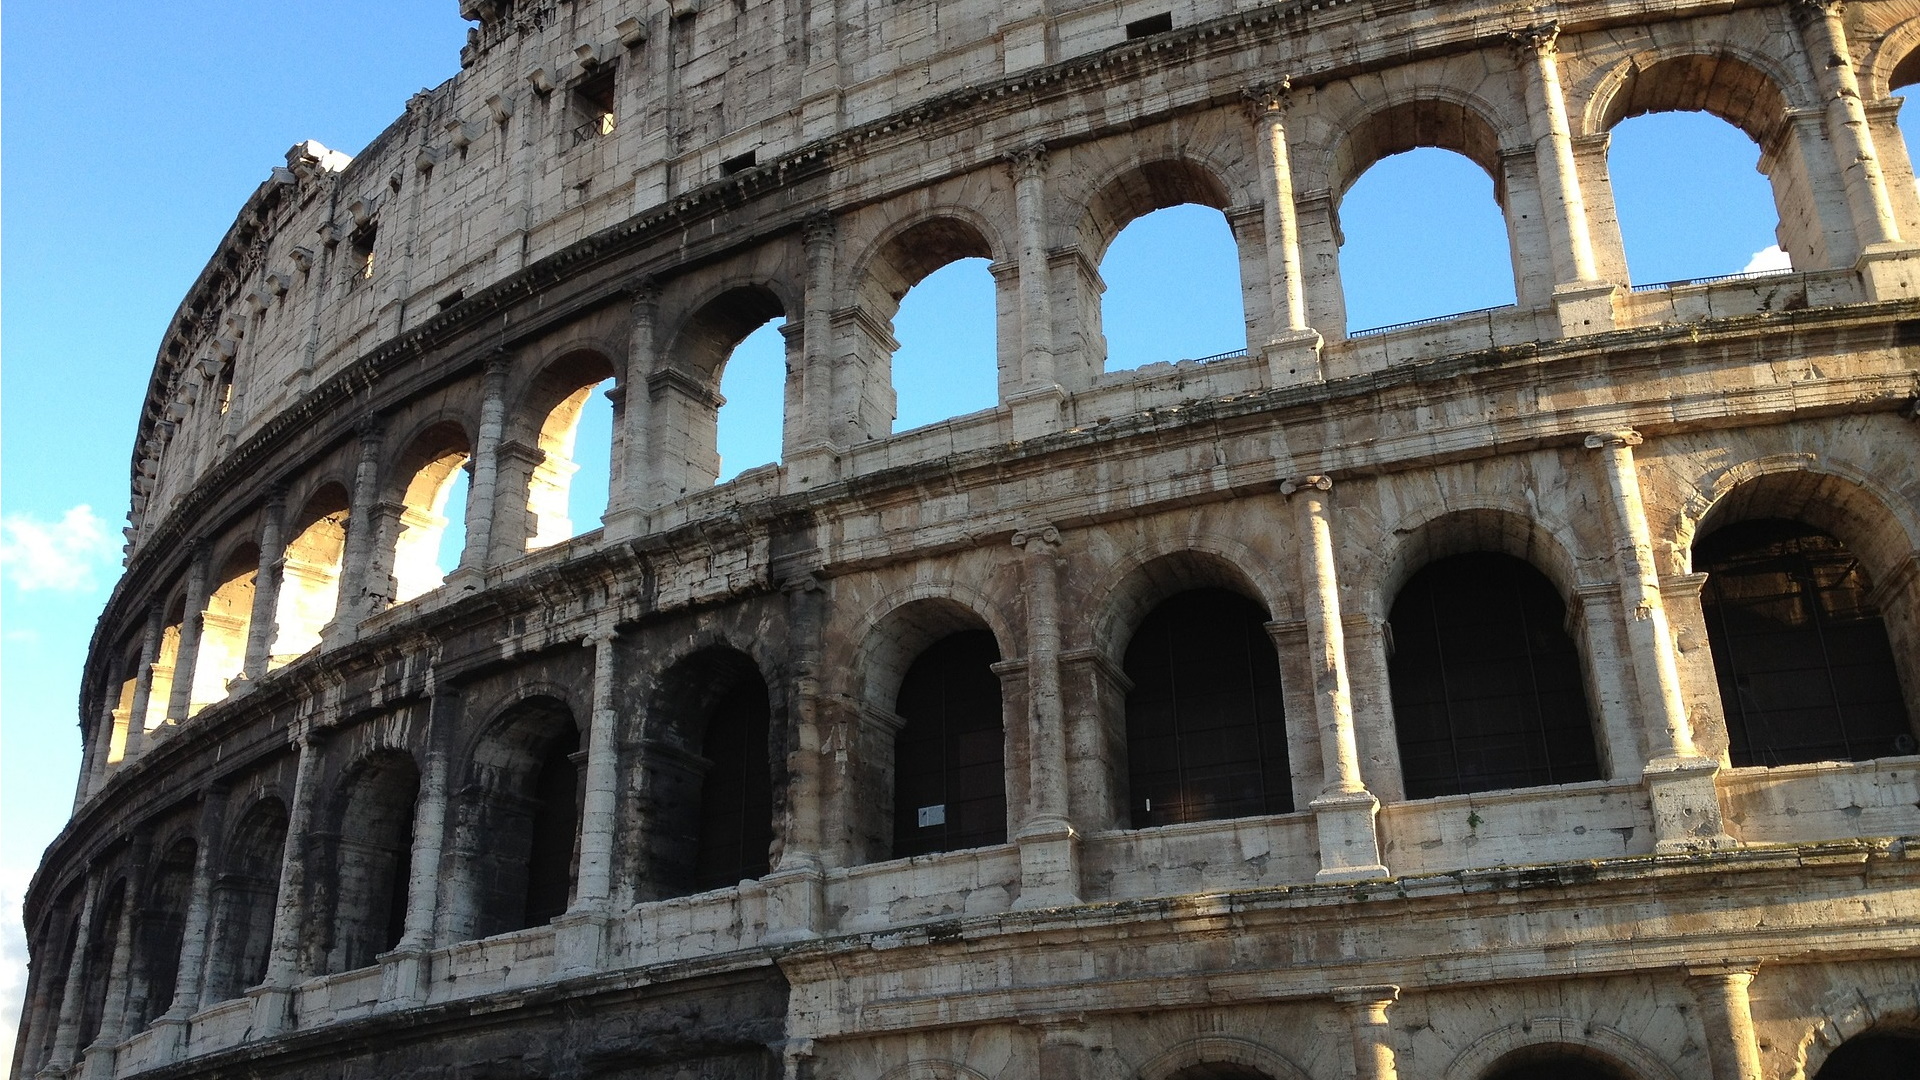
(302, 746)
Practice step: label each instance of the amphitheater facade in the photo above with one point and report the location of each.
(1523, 693)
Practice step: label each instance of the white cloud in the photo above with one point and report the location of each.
(1767, 260)
(13, 955)
(56, 555)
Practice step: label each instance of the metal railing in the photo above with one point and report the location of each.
(1713, 279)
(1376, 331)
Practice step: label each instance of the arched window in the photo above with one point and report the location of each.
(1206, 732)
(101, 947)
(930, 285)
(1487, 689)
(517, 843)
(310, 576)
(421, 560)
(1685, 189)
(710, 783)
(1173, 288)
(1422, 236)
(949, 769)
(1169, 266)
(247, 891)
(722, 399)
(163, 926)
(1805, 669)
(223, 629)
(372, 845)
(165, 660)
(1873, 1055)
(748, 425)
(568, 487)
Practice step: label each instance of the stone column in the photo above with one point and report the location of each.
(266, 584)
(66, 1036)
(481, 494)
(580, 934)
(796, 887)
(1065, 1052)
(1727, 1016)
(810, 449)
(180, 701)
(1686, 809)
(1366, 1008)
(626, 509)
(360, 595)
(405, 975)
(143, 683)
(1041, 401)
(1824, 34)
(271, 1000)
(1583, 301)
(172, 1028)
(1345, 809)
(1293, 350)
(1049, 847)
(100, 1055)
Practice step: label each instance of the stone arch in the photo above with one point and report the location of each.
(932, 1069)
(103, 955)
(163, 925)
(1894, 61)
(1740, 85)
(365, 853)
(1142, 185)
(1149, 574)
(709, 773)
(684, 388)
(515, 840)
(1864, 1011)
(1252, 1060)
(904, 623)
(246, 893)
(537, 481)
(224, 626)
(309, 595)
(1457, 526)
(421, 482)
(1582, 1037)
(1432, 116)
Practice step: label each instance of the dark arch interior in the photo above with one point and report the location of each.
(100, 957)
(244, 901)
(736, 802)
(164, 926)
(1206, 733)
(1805, 668)
(1554, 1063)
(712, 788)
(1873, 1056)
(526, 817)
(1219, 1070)
(371, 860)
(1487, 691)
(949, 774)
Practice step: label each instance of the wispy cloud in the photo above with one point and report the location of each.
(58, 556)
(1767, 260)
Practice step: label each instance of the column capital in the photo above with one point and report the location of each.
(641, 289)
(277, 496)
(1037, 537)
(1539, 39)
(1316, 482)
(1380, 995)
(1814, 10)
(1268, 101)
(1719, 971)
(1614, 440)
(602, 634)
(499, 363)
(370, 428)
(818, 229)
(1028, 161)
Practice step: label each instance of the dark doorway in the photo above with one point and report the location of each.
(949, 770)
(1872, 1056)
(736, 800)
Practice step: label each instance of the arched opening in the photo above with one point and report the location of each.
(949, 769)
(123, 705)
(420, 561)
(1873, 1055)
(722, 399)
(1906, 75)
(101, 946)
(1219, 1070)
(1487, 688)
(1424, 207)
(165, 660)
(519, 832)
(1206, 731)
(930, 286)
(371, 845)
(1556, 1062)
(223, 629)
(45, 1025)
(711, 784)
(1686, 184)
(163, 927)
(1403, 198)
(310, 576)
(245, 895)
(568, 487)
(1805, 667)
(1168, 285)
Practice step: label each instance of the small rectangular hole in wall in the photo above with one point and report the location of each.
(1149, 26)
(453, 298)
(593, 101)
(738, 164)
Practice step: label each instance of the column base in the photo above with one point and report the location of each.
(272, 1010)
(1049, 865)
(623, 524)
(1686, 806)
(810, 467)
(579, 943)
(1349, 846)
(1890, 271)
(796, 903)
(98, 1061)
(1293, 359)
(1038, 412)
(170, 1034)
(1585, 307)
(465, 579)
(406, 975)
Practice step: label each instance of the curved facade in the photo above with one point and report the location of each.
(1519, 693)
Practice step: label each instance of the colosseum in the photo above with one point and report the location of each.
(1528, 693)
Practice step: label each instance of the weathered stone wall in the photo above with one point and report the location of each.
(310, 859)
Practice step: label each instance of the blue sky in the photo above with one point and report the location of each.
(134, 132)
